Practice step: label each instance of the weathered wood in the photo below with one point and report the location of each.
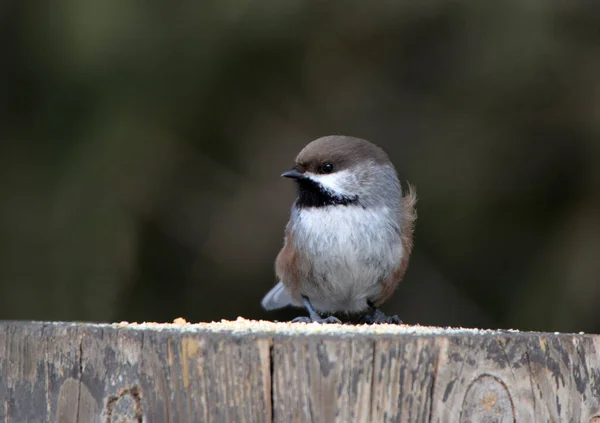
(262, 372)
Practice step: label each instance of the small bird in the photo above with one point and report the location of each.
(350, 233)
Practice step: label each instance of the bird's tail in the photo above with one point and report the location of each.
(276, 298)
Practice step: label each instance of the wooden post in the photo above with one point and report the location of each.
(247, 371)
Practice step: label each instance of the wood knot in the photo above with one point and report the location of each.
(126, 406)
(487, 400)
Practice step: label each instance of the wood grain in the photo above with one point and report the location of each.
(264, 372)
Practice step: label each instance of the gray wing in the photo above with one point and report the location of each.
(276, 298)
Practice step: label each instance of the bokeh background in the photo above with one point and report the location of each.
(142, 143)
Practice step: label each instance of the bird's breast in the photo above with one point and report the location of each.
(352, 229)
(348, 251)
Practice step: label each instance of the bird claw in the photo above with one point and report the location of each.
(305, 319)
(379, 317)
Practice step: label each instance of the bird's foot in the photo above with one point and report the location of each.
(305, 319)
(378, 316)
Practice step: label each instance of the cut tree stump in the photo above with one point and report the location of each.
(247, 371)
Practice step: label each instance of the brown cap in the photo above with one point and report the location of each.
(342, 151)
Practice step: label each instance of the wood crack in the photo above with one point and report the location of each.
(531, 381)
(434, 376)
(272, 370)
(80, 364)
(372, 388)
(47, 375)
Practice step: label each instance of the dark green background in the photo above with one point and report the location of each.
(142, 143)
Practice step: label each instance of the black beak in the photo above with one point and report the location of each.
(293, 174)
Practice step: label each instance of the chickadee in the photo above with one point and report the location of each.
(350, 233)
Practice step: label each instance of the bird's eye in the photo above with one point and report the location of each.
(327, 168)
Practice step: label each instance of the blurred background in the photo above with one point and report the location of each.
(142, 143)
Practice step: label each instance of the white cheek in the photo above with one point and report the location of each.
(334, 182)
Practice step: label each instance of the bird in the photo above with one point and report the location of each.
(350, 234)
